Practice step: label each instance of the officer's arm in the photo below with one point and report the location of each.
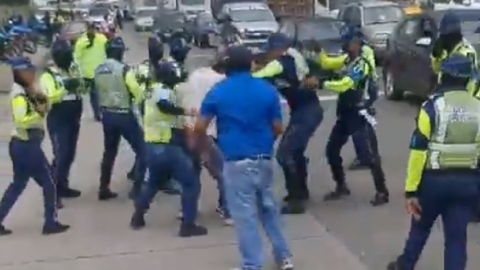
(21, 114)
(348, 82)
(272, 69)
(133, 87)
(418, 149)
(102, 39)
(54, 94)
(437, 61)
(165, 105)
(334, 63)
(208, 111)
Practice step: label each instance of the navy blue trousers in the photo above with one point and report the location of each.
(452, 196)
(115, 126)
(291, 150)
(29, 161)
(63, 124)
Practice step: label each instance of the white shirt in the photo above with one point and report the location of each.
(199, 83)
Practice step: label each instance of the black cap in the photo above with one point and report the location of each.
(238, 58)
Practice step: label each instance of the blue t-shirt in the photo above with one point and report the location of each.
(245, 109)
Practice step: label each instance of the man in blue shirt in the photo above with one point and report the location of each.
(246, 134)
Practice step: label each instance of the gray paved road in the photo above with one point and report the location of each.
(343, 235)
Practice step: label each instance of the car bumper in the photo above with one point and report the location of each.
(254, 42)
(144, 27)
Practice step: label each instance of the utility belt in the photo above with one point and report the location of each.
(33, 135)
(116, 110)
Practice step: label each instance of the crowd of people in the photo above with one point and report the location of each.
(227, 117)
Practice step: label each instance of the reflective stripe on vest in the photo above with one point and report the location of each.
(110, 84)
(456, 136)
(158, 125)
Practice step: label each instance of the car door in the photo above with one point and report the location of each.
(404, 58)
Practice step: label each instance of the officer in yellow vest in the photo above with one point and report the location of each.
(89, 54)
(451, 41)
(117, 86)
(28, 109)
(166, 154)
(63, 84)
(442, 171)
(337, 63)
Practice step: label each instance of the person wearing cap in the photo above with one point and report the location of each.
(353, 116)
(451, 41)
(246, 133)
(117, 86)
(29, 107)
(337, 63)
(193, 91)
(167, 153)
(89, 53)
(287, 70)
(63, 85)
(442, 172)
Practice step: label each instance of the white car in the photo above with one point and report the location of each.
(144, 18)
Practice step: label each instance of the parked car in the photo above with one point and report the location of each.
(170, 21)
(97, 14)
(144, 18)
(311, 34)
(407, 64)
(203, 26)
(377, 19)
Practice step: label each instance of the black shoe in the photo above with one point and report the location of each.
(189, 230)
(56, 228)
(4, 231)
(357, 165)
(105, 195)
(293, 208)
(69, 193)
(380, 199)
(337, 194)
(138, 221)
(395, 265)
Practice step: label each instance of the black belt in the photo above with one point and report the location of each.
(253, 157)
(116, 110)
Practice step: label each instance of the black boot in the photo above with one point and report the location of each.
(55, 228)
(189, 230)
(396, 265)
(341, 190)
(106, 194)
(138, 220)
(380, 198)
(293, 207)
(4, 231)
(69, 193)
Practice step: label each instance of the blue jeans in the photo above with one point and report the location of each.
(172, 160)
(249, 191)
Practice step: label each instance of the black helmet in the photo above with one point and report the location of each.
(167, 73)
(115, 48)
(62, 53)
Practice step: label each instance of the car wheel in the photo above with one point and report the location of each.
(390, 89)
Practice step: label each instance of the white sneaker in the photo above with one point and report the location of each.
(286, 264)
(228, 222)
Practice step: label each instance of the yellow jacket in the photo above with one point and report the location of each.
(89, 58)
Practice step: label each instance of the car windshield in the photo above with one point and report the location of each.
(319, 30)
(382, 14)
(251, 15)
(98, 12)
(147, 13)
